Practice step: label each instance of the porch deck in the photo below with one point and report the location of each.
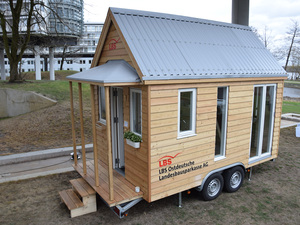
(124, 191)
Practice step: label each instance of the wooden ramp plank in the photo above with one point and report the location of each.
(86, 186)
(70, 198)
(82, 187)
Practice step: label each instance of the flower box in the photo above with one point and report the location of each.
(133, 144)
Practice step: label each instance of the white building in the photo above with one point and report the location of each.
(78, 57)
(52, 32)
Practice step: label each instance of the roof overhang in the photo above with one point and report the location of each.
(114, 72)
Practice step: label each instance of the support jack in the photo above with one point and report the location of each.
(121, 210)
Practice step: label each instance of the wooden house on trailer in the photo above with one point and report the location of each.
(205, 97)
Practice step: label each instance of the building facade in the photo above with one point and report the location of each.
(61, 27)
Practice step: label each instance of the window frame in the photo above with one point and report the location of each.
(260, 155)
(101, 120)
(223, 141)
(191, 132)
(139, 91)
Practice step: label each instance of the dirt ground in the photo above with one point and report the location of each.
(271, 197)
(43, 129)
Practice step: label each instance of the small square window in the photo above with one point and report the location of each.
(186, 112)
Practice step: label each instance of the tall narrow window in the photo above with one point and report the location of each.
(221, 123)
(186, 112)
(262, 121)
(136, 111)
(102, 110)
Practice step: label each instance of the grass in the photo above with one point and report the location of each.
(292, 83)
(57, 90)
(59, 74)
(290, 107)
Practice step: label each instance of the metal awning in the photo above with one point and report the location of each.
(114, 71)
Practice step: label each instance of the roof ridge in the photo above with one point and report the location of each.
(158, 15)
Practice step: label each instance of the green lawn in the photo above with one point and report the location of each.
(57, 90)
(59, 74)
(292, 83)
(290, 107)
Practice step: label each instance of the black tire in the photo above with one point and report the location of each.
(213, 187)
(233, 179)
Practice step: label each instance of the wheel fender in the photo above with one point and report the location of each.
(219, 170)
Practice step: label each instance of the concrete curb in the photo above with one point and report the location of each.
(39, 174)
(40, 155)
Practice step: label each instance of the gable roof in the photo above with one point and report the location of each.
(167, 47)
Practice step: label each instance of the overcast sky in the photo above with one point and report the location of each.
(275, 14)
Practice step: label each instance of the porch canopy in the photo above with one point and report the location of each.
(114, 71)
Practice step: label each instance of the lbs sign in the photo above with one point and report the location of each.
(167, 170)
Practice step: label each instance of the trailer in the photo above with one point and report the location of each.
(198, 102)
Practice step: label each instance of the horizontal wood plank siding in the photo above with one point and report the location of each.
(100, 131)
(200, 149)
(136, 160)
(118, 52)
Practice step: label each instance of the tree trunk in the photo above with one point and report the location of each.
(290, 50)
(295, 33)
(15, 76)
(63, 58)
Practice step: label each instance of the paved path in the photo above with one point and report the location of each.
(37, 167)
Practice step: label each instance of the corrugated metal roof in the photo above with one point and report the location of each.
(116, 71)
(176, 47)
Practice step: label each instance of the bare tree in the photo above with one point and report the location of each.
(68, 53)
(266, 36)
(292, 34)
(19, 18)
(15, 41)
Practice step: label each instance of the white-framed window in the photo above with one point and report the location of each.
(102, 109)
(136, 111)
(264, 100)
(221, 122)
(186, 112)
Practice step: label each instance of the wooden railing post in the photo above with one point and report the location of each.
(73, 123)
(94, 136)
(81, 128)
(109, 148)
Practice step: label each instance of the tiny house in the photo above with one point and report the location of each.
(204, 97)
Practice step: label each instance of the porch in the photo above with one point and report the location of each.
(123, 190)
(108, 183)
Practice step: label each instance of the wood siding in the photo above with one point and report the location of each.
(136, 160)
(114, 48)
(100, 131)
(199, 150)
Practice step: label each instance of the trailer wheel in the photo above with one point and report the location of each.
(233, 179)
(212, 187)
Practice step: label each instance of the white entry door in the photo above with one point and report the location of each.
(117, 128)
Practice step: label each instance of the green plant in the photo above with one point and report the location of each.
(132, 136)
